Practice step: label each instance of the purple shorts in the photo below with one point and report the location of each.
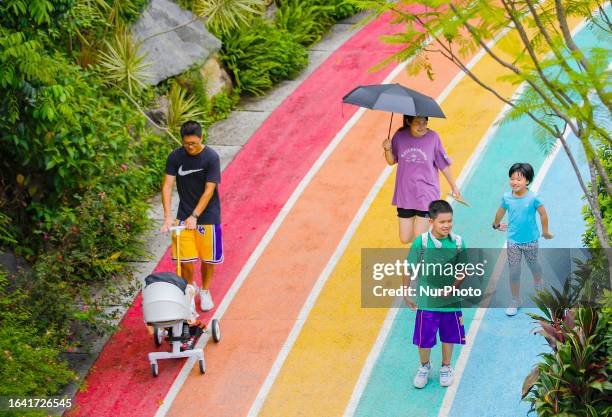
(427, 324)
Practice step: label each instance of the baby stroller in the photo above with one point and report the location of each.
(168, 305)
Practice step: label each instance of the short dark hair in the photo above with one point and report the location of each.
(438, 207)
(191, 128)
(408, 120)
(523, 168)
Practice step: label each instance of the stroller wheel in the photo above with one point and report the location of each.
(202, 369)
(158, 336)
(154, 369)
(216, 330)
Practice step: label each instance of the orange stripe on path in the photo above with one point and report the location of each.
(262, 314)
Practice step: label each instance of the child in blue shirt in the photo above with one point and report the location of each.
(523, 233)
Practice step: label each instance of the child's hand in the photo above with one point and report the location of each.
(503, 227)
(547, 235)
(456, 193)
(410, 303)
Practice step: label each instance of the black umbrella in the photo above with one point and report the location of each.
(394, 98)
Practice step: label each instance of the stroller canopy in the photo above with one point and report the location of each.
(168, 277)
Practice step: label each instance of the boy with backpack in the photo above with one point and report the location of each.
(439, 313)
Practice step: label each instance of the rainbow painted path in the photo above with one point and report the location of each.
(308, 191)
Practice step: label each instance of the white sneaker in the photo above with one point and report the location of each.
(422, 376)
(447, 376)
(206, 302)
(513, 307)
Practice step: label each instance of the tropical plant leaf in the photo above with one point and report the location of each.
(227, 15)
(123, 65)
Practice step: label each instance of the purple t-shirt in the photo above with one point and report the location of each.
(418, 160)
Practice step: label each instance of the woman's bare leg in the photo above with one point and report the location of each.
(406, 229)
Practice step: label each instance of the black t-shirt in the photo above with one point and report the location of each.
(192, 173)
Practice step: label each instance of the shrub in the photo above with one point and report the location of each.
(29, 364)
(334, 9)
(305, 22)
(589, 237)
(261, 55)
(573, 379)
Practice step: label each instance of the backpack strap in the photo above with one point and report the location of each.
(458, 242)
(424, 238)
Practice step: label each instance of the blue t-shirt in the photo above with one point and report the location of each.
(522, 225)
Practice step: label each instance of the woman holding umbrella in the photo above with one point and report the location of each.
(417, 151)
(419, 155)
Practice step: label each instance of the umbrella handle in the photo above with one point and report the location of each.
(390, 123)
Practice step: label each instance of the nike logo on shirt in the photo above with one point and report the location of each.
(190, 171)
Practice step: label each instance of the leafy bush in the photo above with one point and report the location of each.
(224, 16)
(261, 55)
(589, 237)
(574, 378)
(77, 167)
(29, 364)
(334, 9)
(305, 22)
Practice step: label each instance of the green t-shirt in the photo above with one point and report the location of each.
(436, 271)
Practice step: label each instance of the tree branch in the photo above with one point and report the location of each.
(560, 59)
(592, 153)
(557, 92)
(569, 41)
(596, 209)
(165, 129)
(171, 29)
(514, 69)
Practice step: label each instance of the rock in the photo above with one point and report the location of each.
(216, 78)
(12, 263)
(270, 13)
(176, 51)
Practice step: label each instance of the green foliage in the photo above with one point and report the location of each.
(589, 237)
(261, 55)
(91, 23)
(29, 364)
(305, 22)
(181, 107)
(78, 165)
(213, 108)
(123, 65)
(308, 20)
(574, 378)
(220, 106)
(224, 16)
(335, 9)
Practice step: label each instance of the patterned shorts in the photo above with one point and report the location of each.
(516, 251)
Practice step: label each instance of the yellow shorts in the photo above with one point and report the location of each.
(204, 242)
